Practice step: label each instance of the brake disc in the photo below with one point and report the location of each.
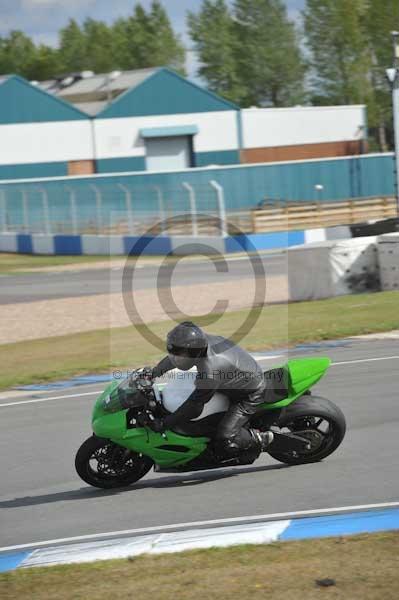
(315, 439)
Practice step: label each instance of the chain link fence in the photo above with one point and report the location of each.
(117, 208)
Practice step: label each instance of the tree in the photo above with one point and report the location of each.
(45, 63)
(99, 46)
(146, 39)
(382, 16)
(166, 47)
(213, 32)
(17, 54)
(269, 61)
(250, 54)
(72, 48)
(340, 53)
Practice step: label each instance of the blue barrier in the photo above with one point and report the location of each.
(76, 245)
(68, 245)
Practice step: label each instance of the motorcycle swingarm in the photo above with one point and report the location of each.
(290, 442)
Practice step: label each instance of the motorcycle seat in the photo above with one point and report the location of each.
(277, 384)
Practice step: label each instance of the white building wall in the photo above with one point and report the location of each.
(45, 142)
(269, 127)
(116, 138)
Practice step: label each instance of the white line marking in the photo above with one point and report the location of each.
(248, 257)
(52, 398)
(269, 517)
(267, 356)
(36, 400)
(362, 360)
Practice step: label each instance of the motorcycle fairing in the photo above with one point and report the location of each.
(303, 373)
(175, 449)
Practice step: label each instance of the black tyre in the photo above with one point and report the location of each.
(103, 464)
(316, 418)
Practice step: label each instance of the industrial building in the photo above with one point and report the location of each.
(156, 120)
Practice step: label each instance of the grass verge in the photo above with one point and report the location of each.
(277, 326)
(20, 264)
(17, 263)
(362, 567)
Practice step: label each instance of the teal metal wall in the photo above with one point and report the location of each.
(222, 157)
(120, 165)
(110, 165)
(165, 93)
(28, 170)
(246, 186)
(21, 102)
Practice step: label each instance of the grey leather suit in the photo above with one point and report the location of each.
(229, 369)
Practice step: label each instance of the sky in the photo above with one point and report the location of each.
(41, 19)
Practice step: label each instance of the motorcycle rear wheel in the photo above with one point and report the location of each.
(316, 418)
(103, 464)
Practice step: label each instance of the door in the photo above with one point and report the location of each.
(168, 153)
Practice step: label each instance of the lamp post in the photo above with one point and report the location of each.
(393, 78)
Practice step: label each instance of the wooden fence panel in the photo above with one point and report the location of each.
(308, 215)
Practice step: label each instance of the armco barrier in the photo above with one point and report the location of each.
(119, 245)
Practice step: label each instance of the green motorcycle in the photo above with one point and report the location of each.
(123, 448)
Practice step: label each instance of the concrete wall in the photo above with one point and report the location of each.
(161, 245)
(45, 142)
(271, 127)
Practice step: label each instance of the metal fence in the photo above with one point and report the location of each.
(116, 208)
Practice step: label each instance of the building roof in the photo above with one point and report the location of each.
(143, 92)
(91, 108)
(22, 102)
(92, 93)
(165, 92)
(105, 86)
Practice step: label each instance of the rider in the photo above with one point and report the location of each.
(221, 366)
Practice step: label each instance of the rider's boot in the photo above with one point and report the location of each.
(262, 438)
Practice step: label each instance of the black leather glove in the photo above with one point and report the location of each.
(142, 379)
(145, 373)
(157, 425)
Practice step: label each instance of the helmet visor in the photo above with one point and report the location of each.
(184, 363)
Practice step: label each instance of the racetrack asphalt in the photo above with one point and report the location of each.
(42, 498)
(30, 287)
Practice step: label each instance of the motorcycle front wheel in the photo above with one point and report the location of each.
(103, 464)
(317, 419)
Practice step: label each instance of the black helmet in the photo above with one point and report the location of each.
(185, 344)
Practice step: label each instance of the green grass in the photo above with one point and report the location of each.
(277, 326)
(11, 263)
(361, 567)
(22, 263)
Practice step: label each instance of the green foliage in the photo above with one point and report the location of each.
(249, 54)
(340, 55)
(16, 54)
(269, 63)
(72, 48)
(144, 39)
(382, 17)
(350, 46)
(213, 31)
